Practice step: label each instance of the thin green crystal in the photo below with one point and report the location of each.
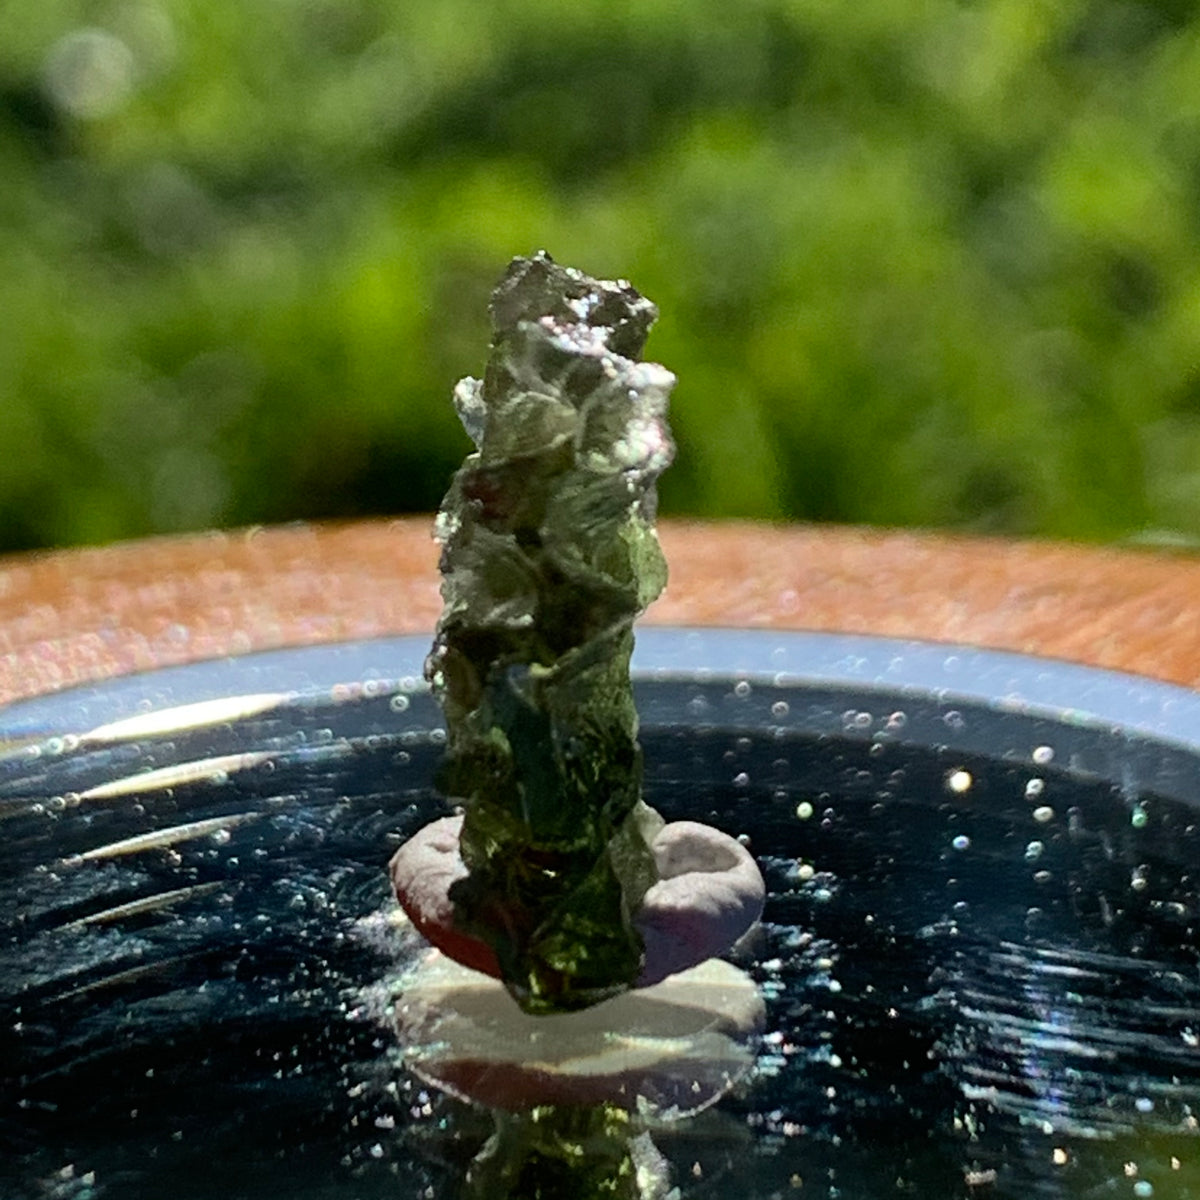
(549, 554)
(587, 1153)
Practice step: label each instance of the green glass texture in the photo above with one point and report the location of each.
(589, 1153)
(548, 555)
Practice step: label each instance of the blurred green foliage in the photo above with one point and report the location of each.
(927, 263)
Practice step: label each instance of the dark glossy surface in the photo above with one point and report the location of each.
(980, 950)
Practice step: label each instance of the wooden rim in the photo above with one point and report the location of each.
(77, 616)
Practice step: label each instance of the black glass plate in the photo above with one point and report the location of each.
(979, 953)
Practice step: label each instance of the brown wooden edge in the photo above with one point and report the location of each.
(74, 616)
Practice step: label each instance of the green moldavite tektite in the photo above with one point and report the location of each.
(549, 553)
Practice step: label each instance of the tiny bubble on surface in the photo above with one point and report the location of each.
(804, 810)
(1138, 817)
(1043, 755)
(1043, 814)
(742, 689)
(1034, 851)
(962, 842)
(1034, 788)
(779, 708)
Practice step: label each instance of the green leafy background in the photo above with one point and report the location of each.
(925, 263)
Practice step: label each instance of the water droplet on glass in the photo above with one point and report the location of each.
(1043, 755)
(741, 779)
(398, 703)
(804, 810)
(1034, 851)
(1139, 878)
(1043, 814)
(779, 708)
(741, 689)
(962, 842)
(1138, 817)
(1034, 788)
(959, 781)
(954, 719)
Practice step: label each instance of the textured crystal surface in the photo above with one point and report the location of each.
(549, 553)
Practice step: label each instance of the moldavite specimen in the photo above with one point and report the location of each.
(549, 553)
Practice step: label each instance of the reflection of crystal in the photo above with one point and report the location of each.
(587, 1153)
(665, 1051)
(549, 553)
